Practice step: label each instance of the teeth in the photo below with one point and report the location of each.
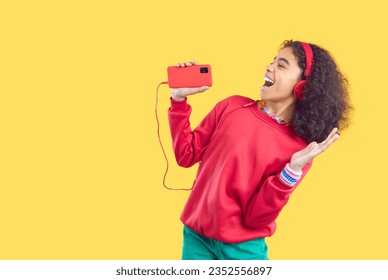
(268, 80)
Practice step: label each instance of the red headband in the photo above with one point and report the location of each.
(309, 59)
(299, 87)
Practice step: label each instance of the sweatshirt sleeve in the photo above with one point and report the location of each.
(189, 144)
(265, 206)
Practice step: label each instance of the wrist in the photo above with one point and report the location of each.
(295, 168)
(177, 97)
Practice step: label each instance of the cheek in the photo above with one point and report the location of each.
(292, 81)
(286, 88)
(288, 84)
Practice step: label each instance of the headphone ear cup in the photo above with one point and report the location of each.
(298, 89)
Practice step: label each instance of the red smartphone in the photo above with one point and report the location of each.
(190, 76)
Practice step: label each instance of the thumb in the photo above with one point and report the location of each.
(204, 88)
(197, 90)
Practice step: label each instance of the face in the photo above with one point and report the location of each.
(281, 76)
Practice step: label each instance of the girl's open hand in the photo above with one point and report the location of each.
(301, 158)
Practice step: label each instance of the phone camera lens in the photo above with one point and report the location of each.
(203, 70)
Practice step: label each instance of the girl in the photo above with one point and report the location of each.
(253, 154)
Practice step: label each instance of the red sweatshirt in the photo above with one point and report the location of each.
(237, 193)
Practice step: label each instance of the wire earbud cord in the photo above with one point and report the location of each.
(161, 144)
(215, 132)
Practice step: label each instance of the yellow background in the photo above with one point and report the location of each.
(80, 164)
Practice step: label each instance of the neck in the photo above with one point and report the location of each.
(284, 110)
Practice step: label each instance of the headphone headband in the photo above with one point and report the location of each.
(309, 58)
(299, 87)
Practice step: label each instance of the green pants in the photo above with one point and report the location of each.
(199, 247)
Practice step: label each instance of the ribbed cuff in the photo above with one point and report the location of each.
(289, 176)
(178, 105)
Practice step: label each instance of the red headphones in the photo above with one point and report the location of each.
(299, 87)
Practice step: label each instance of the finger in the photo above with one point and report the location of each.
(330, 136)
(184, 64)
(204, 88)
(332, 133)
(199, 89)
(189, 63)
(311, 146)
(333, 136)
(330, 141)
(326, 144)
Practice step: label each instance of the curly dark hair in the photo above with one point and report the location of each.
(325, 103)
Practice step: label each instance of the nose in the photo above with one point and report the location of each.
(269, 67)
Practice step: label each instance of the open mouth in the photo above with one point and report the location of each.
(268, 82)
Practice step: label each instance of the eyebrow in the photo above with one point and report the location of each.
(282, 59)
(285, 60)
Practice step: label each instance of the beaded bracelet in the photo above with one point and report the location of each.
(289, 176)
